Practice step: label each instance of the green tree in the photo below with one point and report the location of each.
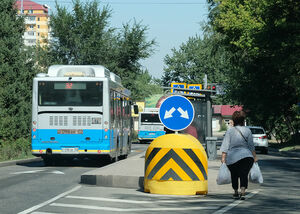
(84, 37)
(132, 47)
(193, 59)
(81, 36)
(263, 42)
(149, 86)
(16, 75)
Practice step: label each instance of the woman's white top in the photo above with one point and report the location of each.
(235, 145)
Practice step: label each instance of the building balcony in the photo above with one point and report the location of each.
(29, 35)
(30, 21)
(30, 42)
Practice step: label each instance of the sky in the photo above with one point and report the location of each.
(169, 22)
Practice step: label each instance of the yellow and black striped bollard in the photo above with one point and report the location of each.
(176, 164)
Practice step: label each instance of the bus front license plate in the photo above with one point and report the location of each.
(69, 131)
(69, 150)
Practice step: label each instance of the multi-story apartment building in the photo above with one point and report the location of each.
(36, 22)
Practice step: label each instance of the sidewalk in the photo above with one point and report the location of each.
(129, 173)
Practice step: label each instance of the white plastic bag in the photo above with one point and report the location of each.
(224, 176)
(255, 175)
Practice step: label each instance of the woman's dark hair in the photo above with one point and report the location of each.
(238, 118)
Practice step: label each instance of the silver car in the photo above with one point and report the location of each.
(260, 138)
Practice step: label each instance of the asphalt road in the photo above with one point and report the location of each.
(25, 185)
(45, 190)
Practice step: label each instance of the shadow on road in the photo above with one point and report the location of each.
(89, 163)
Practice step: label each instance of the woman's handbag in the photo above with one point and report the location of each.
(224, 176)
(255, 175)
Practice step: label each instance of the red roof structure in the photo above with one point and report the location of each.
(217, 109)
(226, 110)
(30, 5)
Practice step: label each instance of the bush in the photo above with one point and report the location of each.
(134, 136)
(223, 127)
(14, 149)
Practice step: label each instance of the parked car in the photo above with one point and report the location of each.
(260, 138)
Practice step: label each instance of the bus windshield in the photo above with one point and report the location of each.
(51, 93)
(150, 118)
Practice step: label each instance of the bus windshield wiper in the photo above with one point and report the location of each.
(71, 112)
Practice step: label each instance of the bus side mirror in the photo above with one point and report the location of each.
(136, 109)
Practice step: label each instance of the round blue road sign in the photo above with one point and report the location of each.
(176, 113)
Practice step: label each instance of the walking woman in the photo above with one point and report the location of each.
(238, 152)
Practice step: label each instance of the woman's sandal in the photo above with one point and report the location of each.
(243, 196)
(236, 196)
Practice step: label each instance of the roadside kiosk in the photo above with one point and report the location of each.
(201, 126)
(176, 164)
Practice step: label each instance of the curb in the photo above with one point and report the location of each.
(290, 154)
(119, 181)
(116, 178)
(17, 162)
(286, 153)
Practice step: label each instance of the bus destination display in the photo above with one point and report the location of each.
(69, 85)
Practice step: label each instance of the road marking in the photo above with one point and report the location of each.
(294, 158)
(235, 203)
(56, 172)
(144, 202)
(137, 150)
(49, 201)
(39, 171)
(168, 196)
(43, 213)
(131, 209)
(28, 172)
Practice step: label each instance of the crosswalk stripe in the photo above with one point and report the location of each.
(235, 203)
(49, 201)
(145, 202)
(43, 213)
(143, 209)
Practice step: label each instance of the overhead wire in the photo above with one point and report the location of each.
(128, 2)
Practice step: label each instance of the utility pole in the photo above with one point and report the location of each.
(205, 81)
(22, 7)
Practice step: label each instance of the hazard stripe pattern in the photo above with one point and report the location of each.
(175, 164)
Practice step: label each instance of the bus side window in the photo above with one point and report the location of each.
(116, 121)
(112, 115)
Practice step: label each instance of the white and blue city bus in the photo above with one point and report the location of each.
(80, 111)
(150, 126)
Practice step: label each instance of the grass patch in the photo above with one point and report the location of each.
(15, 149)
(287, 149)
(292, 145)
(223, 127)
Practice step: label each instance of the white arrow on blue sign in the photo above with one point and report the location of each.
(195, 87)
(176, 113)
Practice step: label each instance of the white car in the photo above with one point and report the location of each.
(260, 138)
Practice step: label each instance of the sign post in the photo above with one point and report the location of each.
(176, 113)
